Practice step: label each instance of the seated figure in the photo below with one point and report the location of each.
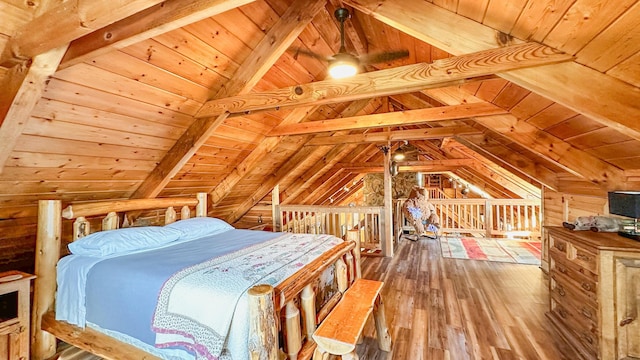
(420, 213)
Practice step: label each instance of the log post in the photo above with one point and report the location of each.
(110, 222)
(354, 235)
(185, 213)
(341, 275)
(170, 215)
(308, 304)
(292, 330)
(201, 208)
(81, 228)
(276, 214)
(382, 331)
(48, 238)
(263, 328)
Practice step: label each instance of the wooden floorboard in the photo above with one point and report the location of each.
(440, 308)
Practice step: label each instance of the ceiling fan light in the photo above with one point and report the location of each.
(340, 70)
(398, 155)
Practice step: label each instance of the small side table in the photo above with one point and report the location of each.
(15, 307)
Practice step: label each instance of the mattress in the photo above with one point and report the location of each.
(120, 293)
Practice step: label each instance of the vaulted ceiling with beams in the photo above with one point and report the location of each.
(141, 98)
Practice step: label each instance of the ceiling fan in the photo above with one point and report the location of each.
(344, 64)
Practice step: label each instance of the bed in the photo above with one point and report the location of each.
(193, 287)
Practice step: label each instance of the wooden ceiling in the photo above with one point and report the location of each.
(119, 99)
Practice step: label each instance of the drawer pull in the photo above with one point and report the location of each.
(583, 257)
(561, 291)
(586, 313)
(626, 321)
(587, 338)
(560, 247)
(586, 286)
(562, 270)
(562, 313)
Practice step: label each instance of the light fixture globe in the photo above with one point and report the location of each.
(343, 65)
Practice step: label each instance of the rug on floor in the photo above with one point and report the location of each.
(502, 250)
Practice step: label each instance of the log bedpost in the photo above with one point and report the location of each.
(110, 222)
(263, 329)
(170, 215)
(341, 275)
(201, 208)
(354, 235)
(308, 304)
(292, 330)
(185, 213)
(43, 344)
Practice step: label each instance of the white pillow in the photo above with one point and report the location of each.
(198, 227)
(121, 241)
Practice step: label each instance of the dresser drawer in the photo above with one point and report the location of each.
(582, 308)
(583, 257)
(576, 275)
(558, 244)
(587, 336)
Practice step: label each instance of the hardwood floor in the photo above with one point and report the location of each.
(440, 308)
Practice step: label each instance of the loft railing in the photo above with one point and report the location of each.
(490, 217)
(334, 220)
(436, 193)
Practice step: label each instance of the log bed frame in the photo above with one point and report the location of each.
(272, 309)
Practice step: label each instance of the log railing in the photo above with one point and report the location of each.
(335, 220)
(490, 217)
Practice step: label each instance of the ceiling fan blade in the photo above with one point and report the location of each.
(383, 57)
(301, 51)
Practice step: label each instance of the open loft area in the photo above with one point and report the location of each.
(513, 117)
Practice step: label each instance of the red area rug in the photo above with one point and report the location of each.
(502, 250)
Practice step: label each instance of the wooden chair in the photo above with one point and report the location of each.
(339, 332)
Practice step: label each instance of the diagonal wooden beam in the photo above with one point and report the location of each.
(574, 160)
(512, 161)
(403, 79)
(64, 23)
(22, 87)
(394, 135)
(396, 118)
(285, 169)
(612, 102)
(277, 40)
(158, 19)
(264, 148)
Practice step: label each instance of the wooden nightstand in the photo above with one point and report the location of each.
(14, 315)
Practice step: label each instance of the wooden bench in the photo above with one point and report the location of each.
(339, 332)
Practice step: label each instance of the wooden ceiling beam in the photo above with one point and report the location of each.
(574, 160)
(512, 161)
(64, 23)
(297, 159)
(395, 118)
(264, 148)
(270, 48)
(394, 135)
(402, 79)
(22, 87)
(158, 19)
(610, 101)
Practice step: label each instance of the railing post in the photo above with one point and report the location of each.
(276, 215)
(488, 218)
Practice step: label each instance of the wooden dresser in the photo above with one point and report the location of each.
(594, 292)
(14, 315)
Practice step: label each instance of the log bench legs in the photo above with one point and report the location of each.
(339, 332)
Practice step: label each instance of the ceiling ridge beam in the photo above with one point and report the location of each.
(610, 101)
(402, 79)
(395, 135)
(158, 19)
(268, 50)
